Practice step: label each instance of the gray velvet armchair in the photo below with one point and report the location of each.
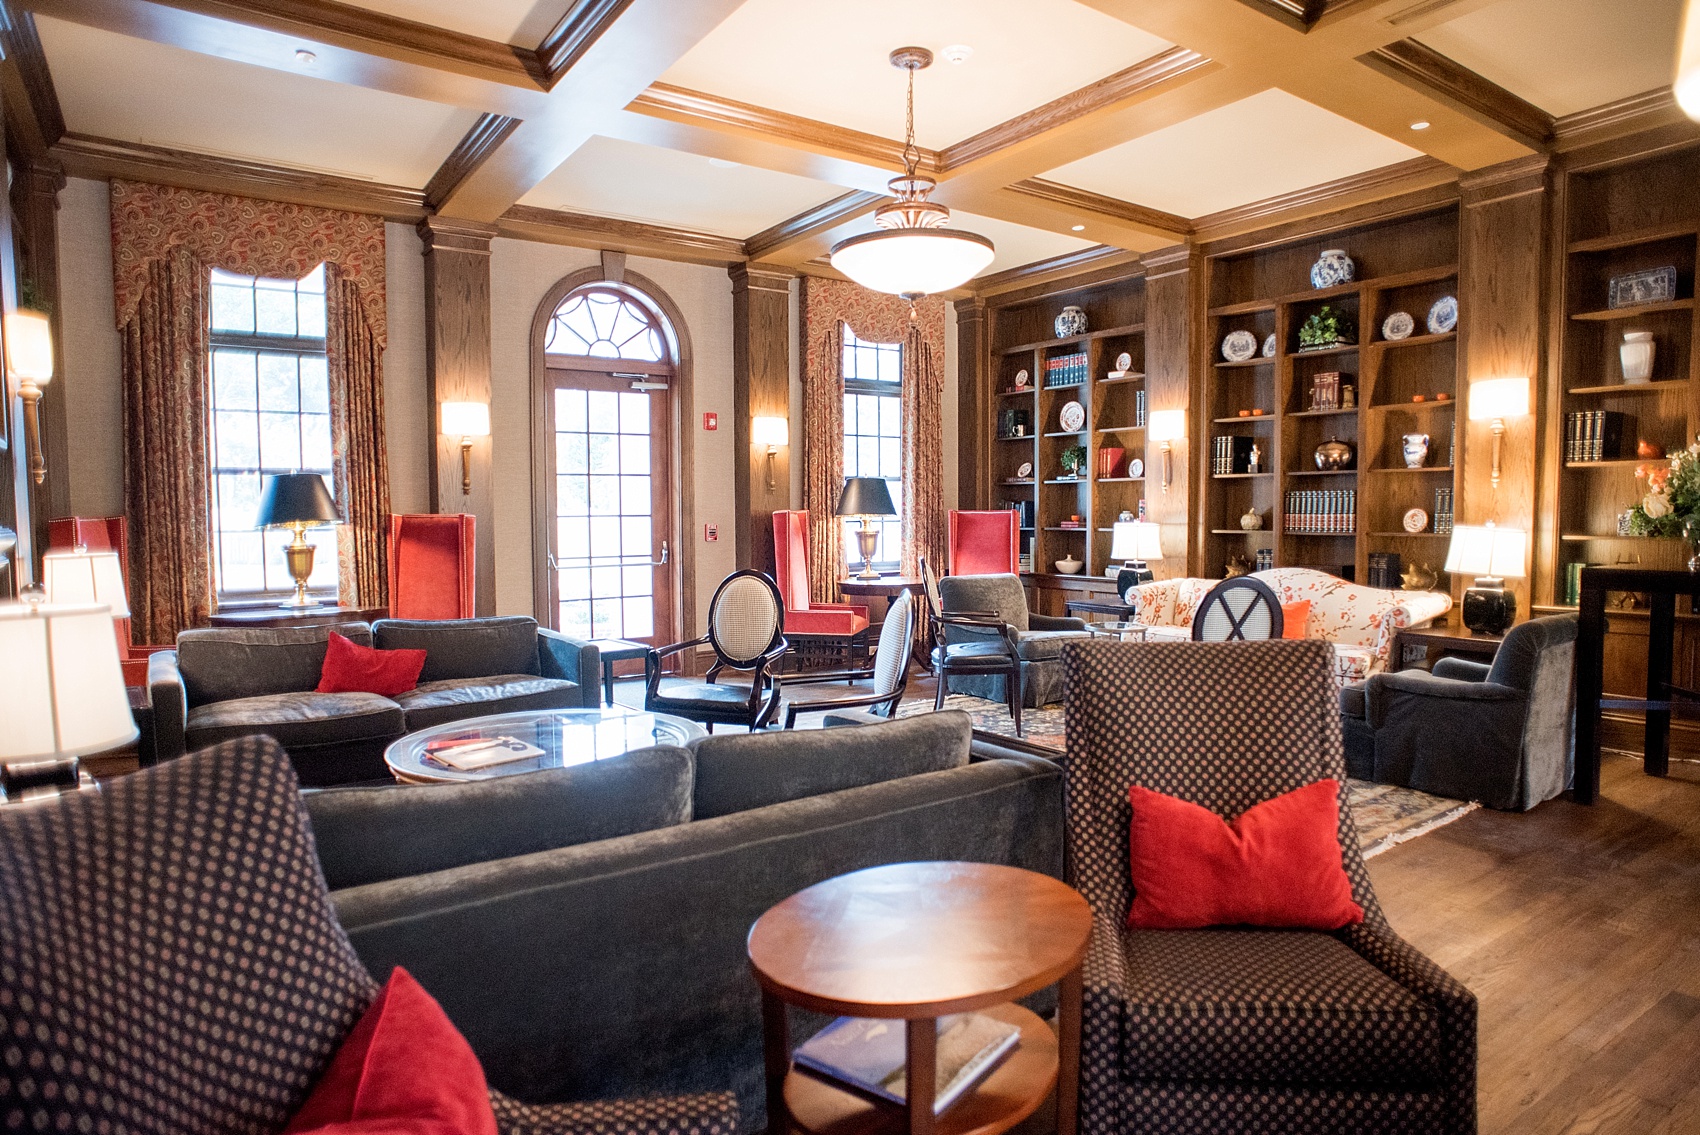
(1498, 734)
(1039, 638)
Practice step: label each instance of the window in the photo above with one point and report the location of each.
(271, 413)
(604, 324)
(873, 437)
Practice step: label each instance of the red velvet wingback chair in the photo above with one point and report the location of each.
(433, 566)
(106, 534)
(984, 543)
(841, 628)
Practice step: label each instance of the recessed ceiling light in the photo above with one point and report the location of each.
(1079, 228)
(305, 58)
(956, 53)
(722, 163)
(1419, 126)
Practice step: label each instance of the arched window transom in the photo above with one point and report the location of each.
(601, 323)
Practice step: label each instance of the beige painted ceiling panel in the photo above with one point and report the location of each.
(614, 178)
(521, 22)
(1270, 143)
(827, 60)
(1566, 55)
(1016, 244)
(133, 90)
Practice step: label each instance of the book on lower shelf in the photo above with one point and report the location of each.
(871, 1056)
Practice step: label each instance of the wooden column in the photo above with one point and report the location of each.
(1173, 279)
(457, 369)
(35, 203)
(1504, 236)
(761, 387)
(973, 362)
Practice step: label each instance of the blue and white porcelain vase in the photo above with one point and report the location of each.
(1331, 268)
(1071, 322)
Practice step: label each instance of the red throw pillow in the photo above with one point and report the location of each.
(1295, 619)
(1277, 865)
(404, 1069)
(354, 669)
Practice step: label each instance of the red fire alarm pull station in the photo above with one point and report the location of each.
(711, 422)
(711, 532)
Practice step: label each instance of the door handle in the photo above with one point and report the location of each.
(662, 562)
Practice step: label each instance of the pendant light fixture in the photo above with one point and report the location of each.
(912, 254)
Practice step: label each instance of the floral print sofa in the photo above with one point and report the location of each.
(1359, 621)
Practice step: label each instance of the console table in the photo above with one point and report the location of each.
(321, 616)
(1662, 588)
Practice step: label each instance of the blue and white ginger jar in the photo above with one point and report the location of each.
(1332, 268)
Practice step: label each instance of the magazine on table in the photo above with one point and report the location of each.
(871, 1055)
(465, 754)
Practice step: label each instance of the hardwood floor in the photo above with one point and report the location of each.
(1579, 931)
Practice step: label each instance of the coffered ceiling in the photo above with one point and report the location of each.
(726, 130)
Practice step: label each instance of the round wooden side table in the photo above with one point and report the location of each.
(914, 942)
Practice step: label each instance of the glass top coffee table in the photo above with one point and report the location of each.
(1124, 629)
(565, 736)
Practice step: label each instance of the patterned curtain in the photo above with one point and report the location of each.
(874, 318)
(160, 237)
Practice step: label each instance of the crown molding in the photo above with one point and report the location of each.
(1126, 84)
(1101, 260)
(1301, 15)
(811, 222)
(472, 151)
(34, 118)
(85, 156)
(1361, 188)
(583, 230)
(1084, 201)
(1428, 72)
(1636, 114)
(568, 40)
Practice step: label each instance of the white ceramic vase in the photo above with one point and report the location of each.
(1637, 355)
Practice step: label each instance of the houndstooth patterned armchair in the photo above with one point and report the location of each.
(1242, 1030)
(170, 963)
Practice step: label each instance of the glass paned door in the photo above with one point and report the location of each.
(612, 493)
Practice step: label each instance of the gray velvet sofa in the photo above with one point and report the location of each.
(1039, 638)
(585, 927)
(219, 684)
(1499, 734)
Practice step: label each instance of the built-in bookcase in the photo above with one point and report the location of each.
(1399, 387)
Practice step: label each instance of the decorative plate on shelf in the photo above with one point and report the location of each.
(1021, 377)
(1269, 345)
(1136, 468)
(1443, 316)
(1398, 326)
(1072, 416)
(1124, 362)
(1239, 346)
(1024, 471)
(1416, 520)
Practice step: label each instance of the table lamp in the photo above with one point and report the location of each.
(1134, 542)
(1492, 554)
(297, 501)
(61, 693)
(864, 497)
(81, 577)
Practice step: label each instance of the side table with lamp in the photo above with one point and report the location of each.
(1493, 555)
(297, 501)
(862, 499)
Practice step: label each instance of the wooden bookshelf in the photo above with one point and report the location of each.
(1403, 264)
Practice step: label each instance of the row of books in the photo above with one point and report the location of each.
(1385, 570)
(1066, 370)
(1232, 453)
(1596, 435)
(1441, 518)
(1573, 583)
(1025, 511)
(1328, 512)
(1265, 559)
(1139, 407)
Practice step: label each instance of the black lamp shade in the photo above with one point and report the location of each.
(296, 498)
(865, 496)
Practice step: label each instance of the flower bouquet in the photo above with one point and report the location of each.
(1671, 504)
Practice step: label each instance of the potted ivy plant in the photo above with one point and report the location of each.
(1073, 460)
(1326, 327)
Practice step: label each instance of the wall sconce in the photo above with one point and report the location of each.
(1496, 399)
(29, 362)
(1166, 427)
(468, 420)
(772, 432)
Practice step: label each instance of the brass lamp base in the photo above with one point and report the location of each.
(299, 557)
(867, 541)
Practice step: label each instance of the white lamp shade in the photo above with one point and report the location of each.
(912, 262)
(1687, 86)
(1135, 540)
(1166, 425)
(770, 431)
(61, 688)
(29, 346)
(1488, 550)
(466, 419)
(1499, 398)
(84, 578)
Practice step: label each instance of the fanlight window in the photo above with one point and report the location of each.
(604, 324)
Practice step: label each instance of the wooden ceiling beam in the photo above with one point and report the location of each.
(489, 132)
(34, 120)
(800, 236)
(584, 230)
(1428, 72)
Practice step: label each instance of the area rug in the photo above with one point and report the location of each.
(1386, 815)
